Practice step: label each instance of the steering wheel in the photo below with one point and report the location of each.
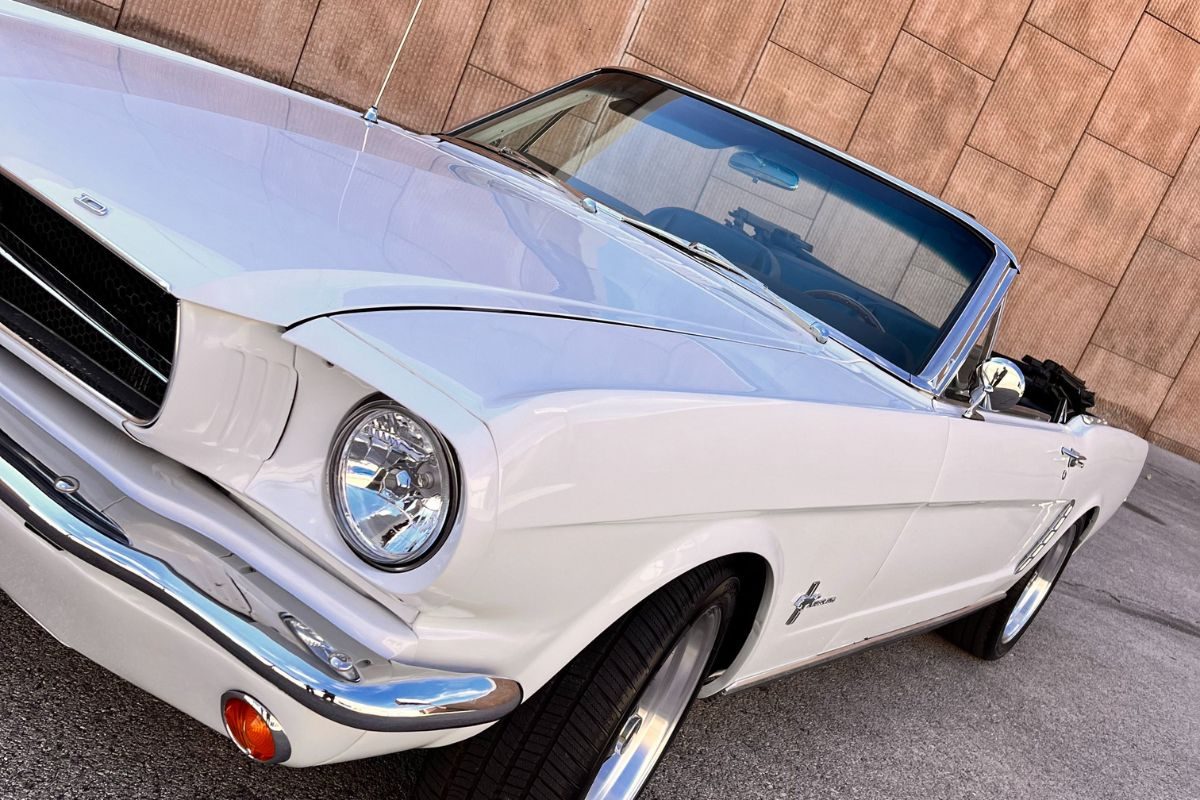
(767, 266)
(847, 300)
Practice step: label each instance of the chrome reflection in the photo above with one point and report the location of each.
(645, 733)
(412, 699)
(392, 485)
(1045, 538)
(1037, 590)
(336, 660)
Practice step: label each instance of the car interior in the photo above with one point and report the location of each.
(874, 263)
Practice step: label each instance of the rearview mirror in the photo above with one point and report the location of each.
(999, 384)
(757, 168)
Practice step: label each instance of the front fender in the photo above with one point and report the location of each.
(623, 457)
(514, 587)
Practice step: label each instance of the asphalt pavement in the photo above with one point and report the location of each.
(1101, 699)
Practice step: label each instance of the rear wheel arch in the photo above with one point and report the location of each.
(1083, 525)
(992, 631)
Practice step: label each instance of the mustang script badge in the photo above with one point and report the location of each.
(808, 600)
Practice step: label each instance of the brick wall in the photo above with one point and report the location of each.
(1067, 126)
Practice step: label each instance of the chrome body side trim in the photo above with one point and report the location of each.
(821, 659)
(1045, 539)
(420, 700)
(987, 295)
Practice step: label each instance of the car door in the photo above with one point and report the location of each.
(1001, 484)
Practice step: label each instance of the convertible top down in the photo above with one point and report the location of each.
(345, 439)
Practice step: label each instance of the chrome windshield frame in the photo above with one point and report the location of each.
(988, 293)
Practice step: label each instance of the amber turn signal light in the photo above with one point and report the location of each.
(253, 729)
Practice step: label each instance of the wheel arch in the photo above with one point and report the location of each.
(752, 604)
(1085, 523)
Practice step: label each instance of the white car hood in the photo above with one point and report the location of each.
(252, 199)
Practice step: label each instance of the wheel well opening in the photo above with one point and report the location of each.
(1084, 525)
(754, 573)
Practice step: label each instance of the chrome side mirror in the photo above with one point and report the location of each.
(999, 384)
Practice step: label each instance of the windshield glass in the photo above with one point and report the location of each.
(863, 256)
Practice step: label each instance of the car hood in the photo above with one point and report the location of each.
(252, 199)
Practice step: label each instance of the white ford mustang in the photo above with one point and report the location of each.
(346, 440)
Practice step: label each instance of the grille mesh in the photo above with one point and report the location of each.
(81, 302)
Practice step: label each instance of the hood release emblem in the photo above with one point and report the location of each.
(91, 204)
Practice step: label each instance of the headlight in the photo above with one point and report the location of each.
(392, 484)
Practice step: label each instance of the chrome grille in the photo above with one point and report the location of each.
(83, 307)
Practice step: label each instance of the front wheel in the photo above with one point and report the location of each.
(992, 631)
(599, 727)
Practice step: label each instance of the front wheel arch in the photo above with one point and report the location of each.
(755, 574)
(558, 741)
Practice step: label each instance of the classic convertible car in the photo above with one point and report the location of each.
(346, 440)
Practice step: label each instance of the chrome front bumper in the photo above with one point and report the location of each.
(400, 698)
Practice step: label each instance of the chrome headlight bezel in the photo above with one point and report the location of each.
(342, 514)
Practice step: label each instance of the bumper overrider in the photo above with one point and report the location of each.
(74, 569)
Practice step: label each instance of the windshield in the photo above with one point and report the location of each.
(863, 256)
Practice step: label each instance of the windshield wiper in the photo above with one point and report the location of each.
(701, 252)
(696, 249)
(528, 164)
(712, 257)
(693, 248)
(523, 160)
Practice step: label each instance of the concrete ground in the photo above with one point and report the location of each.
(1100, 700)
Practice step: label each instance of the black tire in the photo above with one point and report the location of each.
(552, 745)
(982, 633)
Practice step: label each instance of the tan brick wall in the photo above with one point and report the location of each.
(1067, 126)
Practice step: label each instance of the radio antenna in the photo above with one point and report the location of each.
(372, 114)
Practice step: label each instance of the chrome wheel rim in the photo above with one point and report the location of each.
(1036, 590)
(645, 733)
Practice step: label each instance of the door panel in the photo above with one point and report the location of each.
(855, 487)
(839, 550)
(1000, 484)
